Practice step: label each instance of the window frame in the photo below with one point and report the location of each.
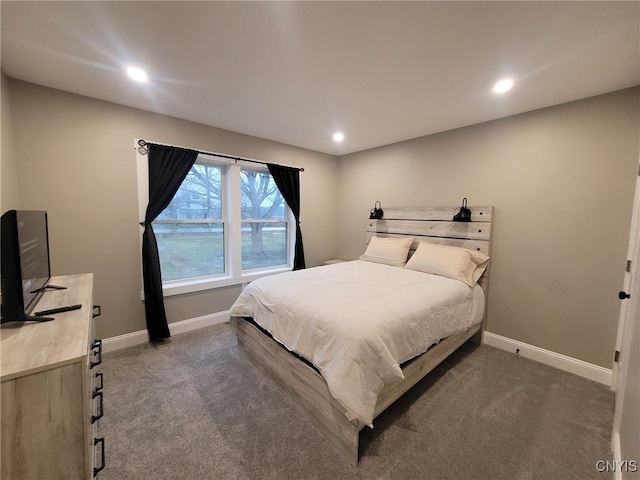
(232, 221)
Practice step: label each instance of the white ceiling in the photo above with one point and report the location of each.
(296, 72)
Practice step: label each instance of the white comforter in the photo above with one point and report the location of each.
(358, 321)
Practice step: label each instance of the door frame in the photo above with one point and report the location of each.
(628, 320)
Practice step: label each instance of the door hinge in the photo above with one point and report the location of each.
(616, 356)
(628, 268)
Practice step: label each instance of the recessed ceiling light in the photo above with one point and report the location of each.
(503, 85)
(137, 74)
(338, 137)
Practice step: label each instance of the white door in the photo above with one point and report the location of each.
(626, 421)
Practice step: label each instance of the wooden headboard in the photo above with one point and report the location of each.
(435, 225)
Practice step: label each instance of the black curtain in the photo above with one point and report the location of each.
(168, 167)
(288, 182)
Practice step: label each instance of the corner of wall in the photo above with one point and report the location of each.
(9, 191)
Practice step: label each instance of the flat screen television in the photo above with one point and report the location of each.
(25, 264)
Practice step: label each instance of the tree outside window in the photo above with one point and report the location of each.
(265, 233)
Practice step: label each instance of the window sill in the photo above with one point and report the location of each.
(178, 287)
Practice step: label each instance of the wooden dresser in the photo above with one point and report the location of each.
(51, 391)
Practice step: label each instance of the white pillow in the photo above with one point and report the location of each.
(390, 251)
(447, 261)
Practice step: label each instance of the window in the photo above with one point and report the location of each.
(190, 231)
(227, 224)
(264, 226)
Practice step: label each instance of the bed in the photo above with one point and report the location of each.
(344, 341)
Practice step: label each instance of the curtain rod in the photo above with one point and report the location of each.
(144, 148)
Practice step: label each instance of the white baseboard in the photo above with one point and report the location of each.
(136, 338)
(553, 359)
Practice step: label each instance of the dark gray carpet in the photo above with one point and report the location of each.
(195, 408)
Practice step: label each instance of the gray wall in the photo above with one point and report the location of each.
(75, 158)
(9, 194)
(561, 180)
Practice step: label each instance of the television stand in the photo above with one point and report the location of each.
(52, 392)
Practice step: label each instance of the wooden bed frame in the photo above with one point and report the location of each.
(306, 387)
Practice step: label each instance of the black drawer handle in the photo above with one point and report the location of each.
(100, 395)
(101, 386)
(98, 312)
(96, 441)
(96, 346)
